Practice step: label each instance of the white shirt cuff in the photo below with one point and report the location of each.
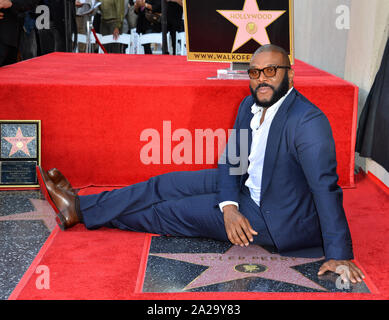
(225, 203)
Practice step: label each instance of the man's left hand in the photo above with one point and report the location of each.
(1, 15)
(116, 33)
(5, 4)
(346, 268)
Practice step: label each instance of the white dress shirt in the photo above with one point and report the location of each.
(258, 146)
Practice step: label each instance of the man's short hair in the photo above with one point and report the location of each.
(273, 48)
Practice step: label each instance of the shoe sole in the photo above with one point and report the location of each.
(59, 218)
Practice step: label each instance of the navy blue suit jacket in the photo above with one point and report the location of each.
(301, 201)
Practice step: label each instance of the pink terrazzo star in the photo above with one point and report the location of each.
(243, 262)
(19, 142)
(251, 23)
(43, 211)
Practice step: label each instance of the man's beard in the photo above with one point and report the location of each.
(278, 93)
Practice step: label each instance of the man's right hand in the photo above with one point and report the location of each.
(238, 228)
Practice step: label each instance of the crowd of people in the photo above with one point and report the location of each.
(120, 16)
(21, 37)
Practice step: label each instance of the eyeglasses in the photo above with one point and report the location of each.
(269, 72)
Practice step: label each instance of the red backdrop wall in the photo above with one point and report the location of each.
(94, 108)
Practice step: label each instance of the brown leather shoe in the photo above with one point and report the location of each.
(62, 201)
(60, 180)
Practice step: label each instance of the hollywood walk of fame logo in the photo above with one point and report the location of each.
(251, 23)
(251, 28)
(19, 143)
(250, 268)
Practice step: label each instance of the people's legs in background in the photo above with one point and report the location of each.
(28, 45)
(174, 22)
(46, 41)
(107, 27)
(125, 26)
(173, 36)
(59, 40)
(147, 46)
(8, 54)
(132, 18)
(81, 29)
(57, 26)
(51, 40)
(96, 26)
(173, 28)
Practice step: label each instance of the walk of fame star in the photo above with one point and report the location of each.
(19, 142)
(251, 23)
(43, 211)
(239, 263)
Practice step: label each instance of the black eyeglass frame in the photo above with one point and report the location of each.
(263, 70)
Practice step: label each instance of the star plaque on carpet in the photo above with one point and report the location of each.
(20, 152)
(202, 265)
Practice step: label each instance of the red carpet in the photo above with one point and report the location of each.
(108, 264)
(94, 107)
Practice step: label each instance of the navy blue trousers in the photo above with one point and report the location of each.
(181, 203)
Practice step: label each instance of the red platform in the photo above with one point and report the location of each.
(94, 107)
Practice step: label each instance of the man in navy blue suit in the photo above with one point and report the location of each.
(286, 197)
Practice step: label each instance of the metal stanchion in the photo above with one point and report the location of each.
(89, 10)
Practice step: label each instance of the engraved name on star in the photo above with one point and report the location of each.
(251, 23)
(19, 142)
(239, 263)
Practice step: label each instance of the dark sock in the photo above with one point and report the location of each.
(78, 210)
